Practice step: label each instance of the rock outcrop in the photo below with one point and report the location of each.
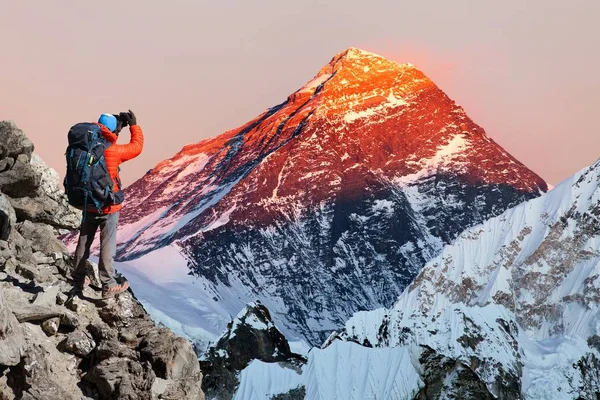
(53, 345)
(252, 335)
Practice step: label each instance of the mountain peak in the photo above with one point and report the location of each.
(356, 74)
(366, 171)
(366, 62)
(354, 54)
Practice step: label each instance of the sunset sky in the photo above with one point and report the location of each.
(528, 72)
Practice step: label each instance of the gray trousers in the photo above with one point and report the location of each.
(108, 247)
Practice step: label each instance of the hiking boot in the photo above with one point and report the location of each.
(114, 290)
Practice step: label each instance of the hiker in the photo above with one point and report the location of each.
(101, 199)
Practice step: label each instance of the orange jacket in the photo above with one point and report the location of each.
(117, 154)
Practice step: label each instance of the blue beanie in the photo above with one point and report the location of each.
(109, 121)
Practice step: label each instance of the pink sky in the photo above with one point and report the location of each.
(528, 72)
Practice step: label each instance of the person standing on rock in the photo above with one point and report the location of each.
(107, 220)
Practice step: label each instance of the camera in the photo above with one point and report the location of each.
(124, 118)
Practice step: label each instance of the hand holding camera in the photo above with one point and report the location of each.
(126, 118)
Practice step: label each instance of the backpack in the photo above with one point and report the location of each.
(87, 181)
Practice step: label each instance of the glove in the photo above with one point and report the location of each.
(131, 120)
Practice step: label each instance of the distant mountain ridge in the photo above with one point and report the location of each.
(328, 203)
(510, 310)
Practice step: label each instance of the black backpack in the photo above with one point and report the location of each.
(87, 181)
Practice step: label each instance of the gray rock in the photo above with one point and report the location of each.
(14, 141)
(79, 343)
(190, 388)
(112, 382)
(171, 356)
(128, 337)
(48, 203)
(19, 246)
(40, 258)
(101, 331)
(8, 218)
(52, 199)
(121, 310)
(69, 320)
(21, 180)
(6, 392)
(47, 297)
(10, 266)
(11, 336)
(32, 312)
(37, 379)
(50, 326)
(113, 348)
(61, 299)
(38, 275)
(76, 304)
(6, 164)
(41, 237)
(160, 386)
(34, 267)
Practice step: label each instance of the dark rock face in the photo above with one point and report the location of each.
(449, 378)
(55, 346)
(252, 335)
(294, 394)
(363, 261)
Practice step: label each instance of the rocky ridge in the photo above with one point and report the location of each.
(53, 346)
(250, 336)
(508, 311)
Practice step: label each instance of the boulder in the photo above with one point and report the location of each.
(41, 237)
(21, 180)
(121, 310)
(114, 348)
(8, 217)
(47, 297)
(13, 141)
(37, 274)
(171, 356)
(101, 331)
(50, 326)
(48, 204)
(121, 378)
(11, 336)
(37, 381)
(183, 389)
(69, 320)
(31, 313)
(79, 343)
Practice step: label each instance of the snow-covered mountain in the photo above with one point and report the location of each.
(324, 205)
(510, 310)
